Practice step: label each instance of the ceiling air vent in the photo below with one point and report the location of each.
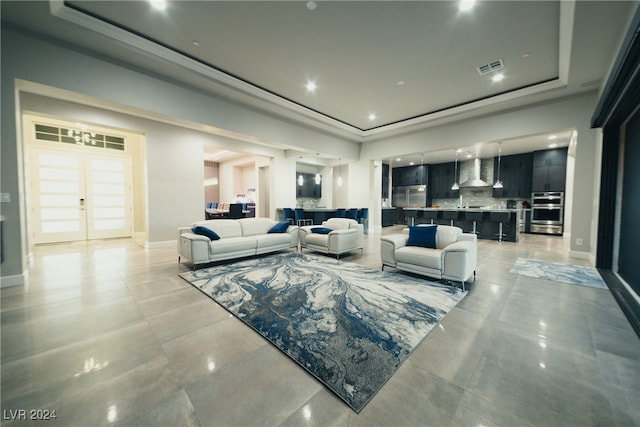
(491, 66)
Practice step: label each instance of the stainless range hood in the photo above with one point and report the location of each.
(477, 173)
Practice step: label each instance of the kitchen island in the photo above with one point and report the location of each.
(486, 227)
(316, 215)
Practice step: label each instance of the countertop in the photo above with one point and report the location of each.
(464, 209)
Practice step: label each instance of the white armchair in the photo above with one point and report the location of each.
(342, 235)
(454, 257)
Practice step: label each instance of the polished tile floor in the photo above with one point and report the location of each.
(107, 333)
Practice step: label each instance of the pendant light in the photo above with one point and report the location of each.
(455, 185)
(318, 176)
(422, 186)
(498, 183)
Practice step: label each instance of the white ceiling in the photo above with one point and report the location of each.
(263, 53)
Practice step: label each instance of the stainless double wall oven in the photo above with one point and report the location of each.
(547, 212)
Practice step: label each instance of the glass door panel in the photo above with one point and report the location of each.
(56, 197)
(109, 197)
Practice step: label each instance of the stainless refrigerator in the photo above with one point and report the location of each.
(409, 196)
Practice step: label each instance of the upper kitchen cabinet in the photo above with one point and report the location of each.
(410, 175)
(441, 178)
(385, 181)
(549, 170)
(309, 188)
(515, 174)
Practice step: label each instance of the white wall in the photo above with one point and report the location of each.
(174, 162)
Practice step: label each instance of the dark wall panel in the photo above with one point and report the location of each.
(630, 209)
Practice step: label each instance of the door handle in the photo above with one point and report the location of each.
(82, 204)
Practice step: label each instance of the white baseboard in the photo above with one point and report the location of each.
(10, 281)
(583, 255)
(149, 245)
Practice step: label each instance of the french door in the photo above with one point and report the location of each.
(79, 196)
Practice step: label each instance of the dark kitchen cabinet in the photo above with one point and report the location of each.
(549, 170)
(410, 175)
(385, 181)
(309, 188)
(441, 178)
(515, 174)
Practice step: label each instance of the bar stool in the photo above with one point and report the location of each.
(500, 217)
(473, 216)
(363, 218)
(289, 215)
(450, 215)
(352, 214)
(410, 215)
(431, 215)
(300, 219)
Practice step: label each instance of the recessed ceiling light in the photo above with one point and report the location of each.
(552, 137)
(553, 145)
(466, 5)
(411, 163)
(398, 159)
(158, 4)
(311, 86)
(497, 77)
(196, 43)
(400, 83)
(526, 54)
(469, 155)
(372, 117)
(311, 5)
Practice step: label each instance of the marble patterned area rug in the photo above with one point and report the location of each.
(558, 272)
(348, 325)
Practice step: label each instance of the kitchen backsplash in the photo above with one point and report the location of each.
(307, 202)
(474, 197)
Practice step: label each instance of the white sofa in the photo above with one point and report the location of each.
(238, 238)
(346, 235)
(454, 258)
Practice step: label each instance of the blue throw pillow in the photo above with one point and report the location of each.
(321, 230)
(204, 231)
(422, 236)
(280, 227)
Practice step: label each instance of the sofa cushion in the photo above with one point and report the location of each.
(273, 239)
(280, 227)
(447, 235)
(428, 258)
(339, 223)
(422, 236)
(204, 231)
(224, 228)
(317, 239)
(321, 230)
(233, 244)
(255, 226)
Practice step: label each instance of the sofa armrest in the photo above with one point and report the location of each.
(388, 246)
(459, 259)
(343, 240)
(347, 231)
(468, 237)
(294, 232)
(302, 233)
(194, 247)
